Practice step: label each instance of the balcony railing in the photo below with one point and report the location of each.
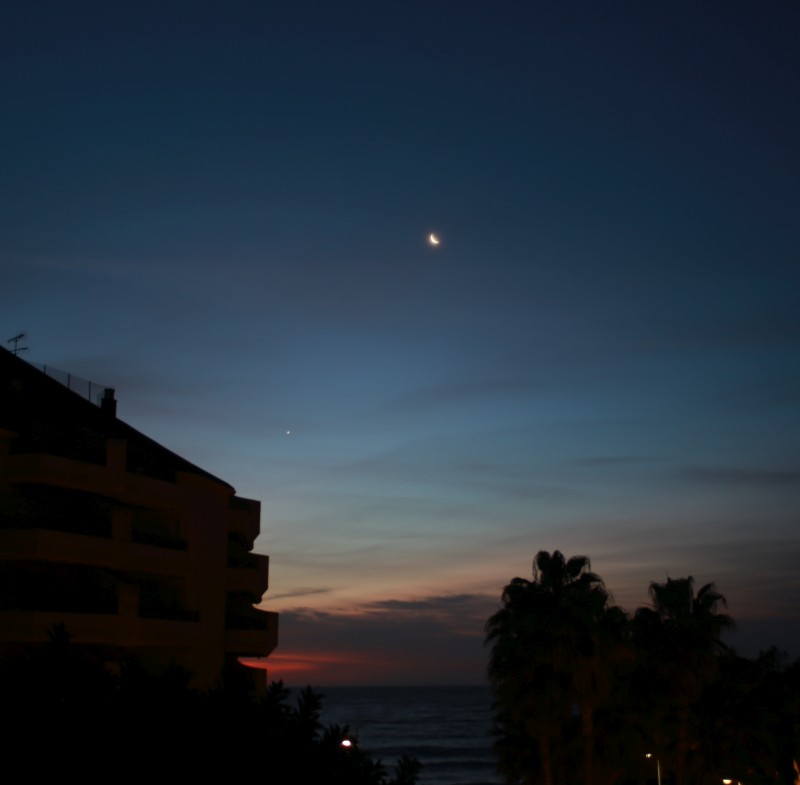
(159, 540)
(255, 620)
(169, 613)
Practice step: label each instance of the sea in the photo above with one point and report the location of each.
(445, 728)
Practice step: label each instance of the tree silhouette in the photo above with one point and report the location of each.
(582, 692)
(549, 668)
(92, 720)
(680, 638)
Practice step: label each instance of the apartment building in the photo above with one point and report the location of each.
(132, 548)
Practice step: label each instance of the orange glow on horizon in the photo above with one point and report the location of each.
(330, 668)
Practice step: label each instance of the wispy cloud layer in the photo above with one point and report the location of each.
(439, 640)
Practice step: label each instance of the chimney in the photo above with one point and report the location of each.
(107, 403)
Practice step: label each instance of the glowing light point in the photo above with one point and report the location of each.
(346, 743)
(433, 239)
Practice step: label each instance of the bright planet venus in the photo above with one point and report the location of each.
(433, 239)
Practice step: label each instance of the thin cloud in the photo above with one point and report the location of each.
(447, 395)
(302, 592)
(432, 605)
(615, 460)
(380, 621)
(431, 640)
(105, 267)
(733, 476)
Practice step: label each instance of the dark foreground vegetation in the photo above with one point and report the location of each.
(585, 693)
(67, 716)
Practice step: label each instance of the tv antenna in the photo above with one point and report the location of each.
(17, 348)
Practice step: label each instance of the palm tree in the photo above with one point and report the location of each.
(681, 637)
(525, 695)
(549, 647)
(695, 615)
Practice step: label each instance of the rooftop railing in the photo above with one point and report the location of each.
(92, 391)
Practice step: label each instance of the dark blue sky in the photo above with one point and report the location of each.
(222, 211)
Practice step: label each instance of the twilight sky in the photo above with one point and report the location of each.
(221, 210)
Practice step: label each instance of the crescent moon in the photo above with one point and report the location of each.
(433, 239)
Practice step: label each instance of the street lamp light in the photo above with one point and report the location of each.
(658, 766)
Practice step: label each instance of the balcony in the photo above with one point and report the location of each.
(30, 626)
(244, 518)
(67, 441)
(161, 599)
(256, 637)
(34, 506)
(45, 545)
(251, 580)
(58, 588)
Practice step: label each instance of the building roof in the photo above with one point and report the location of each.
(48, 417)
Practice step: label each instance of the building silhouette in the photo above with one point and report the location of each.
(132, 548)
